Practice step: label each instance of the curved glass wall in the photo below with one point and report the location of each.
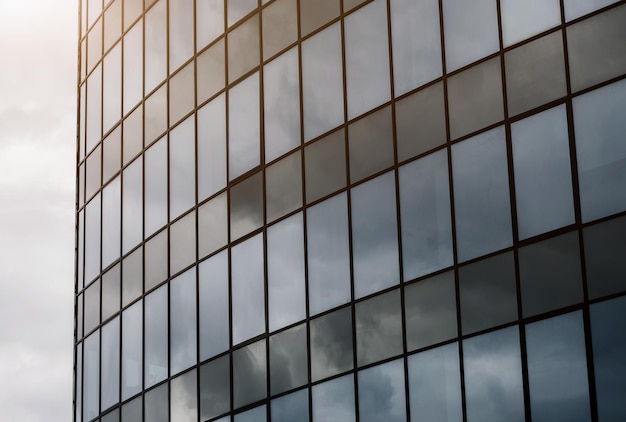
(396, 210)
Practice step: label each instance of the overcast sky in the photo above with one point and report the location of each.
(37, 153)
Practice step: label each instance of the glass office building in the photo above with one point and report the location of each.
(348, 210)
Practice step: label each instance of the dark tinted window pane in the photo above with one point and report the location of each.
(543, 174)
(370, 144)
(280, 26)
(550, 274)
(156, 260)
(430, 311)
(475, 98)
(378, 328)
(420, 122)
(315, 13)
(212, 147)
(249, 374)
(608, 332)
(375, 235)
(283, 186)
(488, 293)
(328, 254)
(111, 292)
(435, 384)
(416, 43)
(597, 48)
(210, 67)
(292, 407)
(334, 400)
(183, 242)
(132, 276)
(215, 388)
(535, 73)
(156, 404)
(155, 363)
(425, 214)
(212, 225)
(243, 48)
(493, 377)
(481, 194)
(288, 359)
(557, 369)
(322, 82)
(183, 322)
(522, 19)
(183, 398)
(331, 344)
(285, 272)
(237, 9)
(111, 222)
(367, 58)
(258, 414)
(248, 300)
(605, 248)
(600, 149)
(213, 305)
(471, 31)
(325, 165)
(382, 393)
(133, 410)
(92, 306)
(246, 206)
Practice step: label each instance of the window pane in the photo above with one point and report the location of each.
(281, 95)
(213, 305)
(133, 66)
(605, 248)
(475, 98)
(92, 239)
(111, 292)
(375, 235)
(132, 351)
(210, 71)
(110, 356)
(249, 374)
(243, 48)
(493, 377)
(182, 93)
(481, 194)
(280, 26)
(371, 144)
(535, 73)
(91, 376)
(285, 273)
(182, 168)
(183, 321)
(331, 344)
(92, 306)
(430, 311)
(425, 214)
(557, 369)
(416, 43)
(156, 404)
(155, 116)
(488, 293)
(183, 243)
(522, 19)
(608, 333)
(283, 186)
(132, 276)
(156, 260)
(325, 166)
(111, 155)
(155, 212)
(248, 301)
(600, 150)
(212, 225)
(597, 48)
(211, 148)
(132, 205)
(111, 222)
(288, 359)
(133, 410)
(435, 384)
(209, 21)
(258, 414)
(471, 30)
(292, 407)
(322, 82)
(94, 108)
(315, 13)
(244, 127)
(132, 130)
(155, 46)
(382, 393)
(550, 274)
(577, 8)
(215, 388)
(334, 400)
(246, 206)
(543, 174)
(155, 364)
(183, 398)
(328, 254)
(180, 22)
(378, 328)
(367, 58)
(112, 88)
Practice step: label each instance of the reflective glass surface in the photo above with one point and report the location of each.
(182, 168)
(288, 359)
(382, 393)
(370, 142)
(378, 328)
(243, 127)
(522, 19)
(213, 305)
(331, 344)
(211, 147)
(155, 337)
(215, 388)
(325, 166)
(605, 247)
(292, 407)
(249, 374)
(283, 186)
(183, 322)
(246, 206)
(334, 400)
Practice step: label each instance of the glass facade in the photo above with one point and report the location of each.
(342, 210)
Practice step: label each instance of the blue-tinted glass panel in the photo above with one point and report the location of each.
(334, 400)
(156, 403)
(481, 194)
(577, 8)
(557, 369)
(292, 407)
(382, 393)
(416, 43)
(425, 215)
(258, 414)
(493, 377)
(375, 235)
(601, 151)
(543, 174)
(435, 384)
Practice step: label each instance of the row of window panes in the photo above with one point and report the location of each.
(556, 363)
(542, 179)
